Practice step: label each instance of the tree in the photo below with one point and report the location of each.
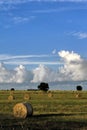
(79, 88)
(12, 89)
(43, 86)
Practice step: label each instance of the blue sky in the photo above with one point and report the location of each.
(41, 35)
(38, 27)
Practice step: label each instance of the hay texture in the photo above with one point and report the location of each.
(22, 110)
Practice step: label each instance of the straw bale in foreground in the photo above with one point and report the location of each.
(22, 110)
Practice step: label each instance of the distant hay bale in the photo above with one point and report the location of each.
(27, 96)
(50, 95)
(11, 98)
(78, 95)
(22, 110)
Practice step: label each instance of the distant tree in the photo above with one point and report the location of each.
(43, 86)
(12, 89)
(79, 88)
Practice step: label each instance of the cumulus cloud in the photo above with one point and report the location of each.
(69, 56)
(43, 73)
(73, 68)
(17, 75)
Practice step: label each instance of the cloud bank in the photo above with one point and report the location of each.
(73, 68)
(18, 75)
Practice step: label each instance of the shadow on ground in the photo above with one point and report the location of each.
(41, 122)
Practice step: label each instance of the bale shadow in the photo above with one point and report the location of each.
(41, 122)
(8, 116)
(52, 115)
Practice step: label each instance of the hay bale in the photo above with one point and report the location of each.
(50, 95)
(22, 110)
(11, 98)
(78, 95)
(27, 97)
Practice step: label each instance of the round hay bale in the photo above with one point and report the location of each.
(50, 95)
(22, 110)
(11, 98)
(27, 97)
(78, 95)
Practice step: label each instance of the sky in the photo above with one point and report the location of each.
(43, 41)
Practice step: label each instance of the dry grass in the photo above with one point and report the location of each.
(62, 111)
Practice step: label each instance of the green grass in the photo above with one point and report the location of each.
(63, 111)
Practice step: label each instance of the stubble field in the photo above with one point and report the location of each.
(54, 110)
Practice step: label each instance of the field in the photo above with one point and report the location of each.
(56, 110)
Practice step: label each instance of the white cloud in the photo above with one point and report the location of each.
(14, 1)
(50, 10)
(11, 57)
(26, 1)
(5, 74)
(69, 56)
(79, 35)
(32, 62)
(7, 5)
(17, 75)
(43, 73)
(22, 19)
(29, 59)
(73, 68)
(21, 75)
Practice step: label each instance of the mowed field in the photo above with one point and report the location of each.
(54, 110)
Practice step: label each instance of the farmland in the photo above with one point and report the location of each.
(61, 110)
